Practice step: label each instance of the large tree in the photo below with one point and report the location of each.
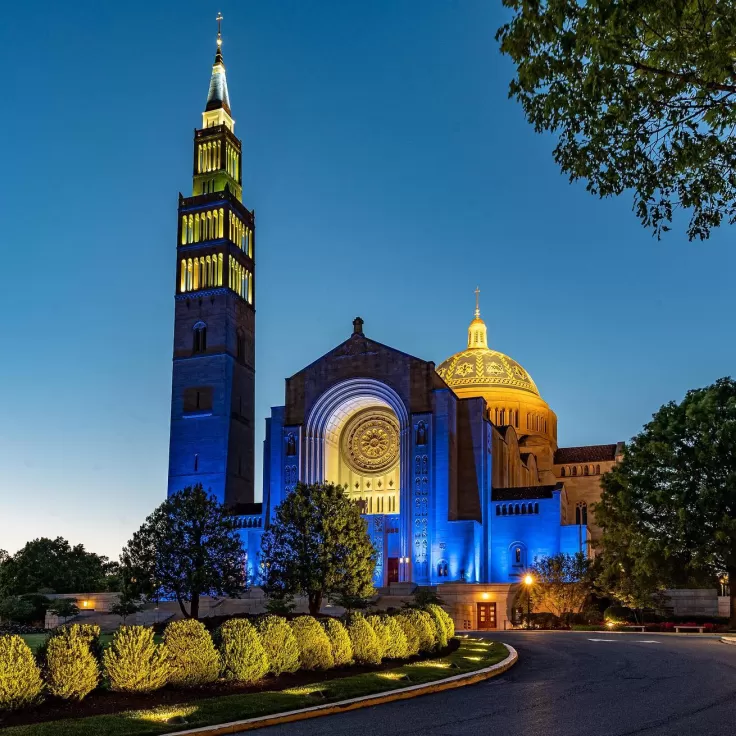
(53, 565)
(188, 547)
(641, 95)
(318, 546)
(668, 510)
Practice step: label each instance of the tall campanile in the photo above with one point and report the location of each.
(213, 385)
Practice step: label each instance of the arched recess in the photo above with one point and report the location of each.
(323, 424)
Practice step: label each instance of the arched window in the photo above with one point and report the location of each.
(575, 470)
(523, 508)
(581, 513)
(183, 283)
(517, 510)
(597, 469)
(498, 511)
(562, 472)
(196, 463)
(200, 338)
(517, 555)
(586, 470)
(536, 508)
(505, 510)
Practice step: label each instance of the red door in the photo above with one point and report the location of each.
(393, 569)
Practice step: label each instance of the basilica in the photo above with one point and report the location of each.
(455, 467)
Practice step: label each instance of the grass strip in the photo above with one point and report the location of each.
(471, 655)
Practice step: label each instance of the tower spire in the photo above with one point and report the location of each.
(217, 97)
(477, 303)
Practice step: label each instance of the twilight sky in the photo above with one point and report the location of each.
(390, 175)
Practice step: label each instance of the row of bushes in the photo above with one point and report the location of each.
(71, 663)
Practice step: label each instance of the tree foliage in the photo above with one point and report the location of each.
(243, 656)
(193, 659)
(188, 547)
(20, 677)
(668, 510)
(279, 643)
(134, 663)
(640, 95)
(561, 584)
(54, 566)
(318, 546)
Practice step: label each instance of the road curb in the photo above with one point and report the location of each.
(728, 639)
(343, 706)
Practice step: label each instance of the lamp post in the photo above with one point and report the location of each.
(528, 580)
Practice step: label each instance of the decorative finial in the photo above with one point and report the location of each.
(219, 29)
(477, 302)
(357, 326)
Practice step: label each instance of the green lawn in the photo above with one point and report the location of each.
(472, 654)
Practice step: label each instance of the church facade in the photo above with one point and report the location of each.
(455, 467)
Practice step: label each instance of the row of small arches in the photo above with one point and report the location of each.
(502, 417)
(204, 272)
(511, 509)
(536, 422)
(241, 280)
(209, 158)
(202, 226)
(572, 471)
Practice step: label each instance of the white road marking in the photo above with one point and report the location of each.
(646, 641)
(601, 639)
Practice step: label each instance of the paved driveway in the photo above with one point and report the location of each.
(569, 684)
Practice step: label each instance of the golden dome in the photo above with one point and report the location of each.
(479, 367)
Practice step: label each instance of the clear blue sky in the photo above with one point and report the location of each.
(390, 175)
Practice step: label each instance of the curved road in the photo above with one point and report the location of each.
(567, 684)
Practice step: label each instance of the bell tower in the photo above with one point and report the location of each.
(213, 385)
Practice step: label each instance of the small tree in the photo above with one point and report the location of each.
(561, 584)
(188, 547)
(318, 546)
(342, 649)
(315, 650)
(72, 672)
(366, 648)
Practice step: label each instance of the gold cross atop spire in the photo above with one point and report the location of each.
(219, 29)
(477, 302)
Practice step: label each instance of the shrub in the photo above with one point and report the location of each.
(382, 634)
(619, 614)
(443, 621)
(440, 633)
(342, 649)
(315, 651)
(398, 647)
(279, 643)
(20, 679)
(243, 656)
(192, 655)
(364, 640)
(425, 628)
(71, 670)
(134, 663)
(410, 632)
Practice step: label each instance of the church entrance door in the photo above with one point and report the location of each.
(486, 616)
(393, 569)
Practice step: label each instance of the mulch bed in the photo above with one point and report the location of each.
(102, 701)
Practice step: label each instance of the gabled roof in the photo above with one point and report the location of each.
(585, 454)
(525, 492)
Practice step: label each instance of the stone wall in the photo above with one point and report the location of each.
(693, 602)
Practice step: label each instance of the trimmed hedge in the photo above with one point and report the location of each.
(315, 650)
(134, 663)
(279, 643)
(71, 670)
(410, 632)
(382, 634)
(424, 627)
(342, 648)
(20, 678)
(439, 619)
(193, 658)
(398, 648)
(243, 656)
(365, 643)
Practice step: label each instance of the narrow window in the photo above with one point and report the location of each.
(575, 470)
(585, 513)
(563, 472)
(196, 463)
(597, 469)
(586, 470)
(517, 555)
(577, 514)
(200, 338)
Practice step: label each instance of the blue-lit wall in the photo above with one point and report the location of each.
(202, 434)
